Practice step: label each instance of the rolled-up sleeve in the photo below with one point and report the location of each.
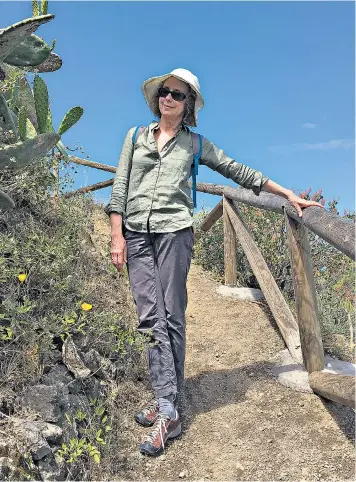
(217, 160)
(118, 198)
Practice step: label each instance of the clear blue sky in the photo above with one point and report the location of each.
(277, 78)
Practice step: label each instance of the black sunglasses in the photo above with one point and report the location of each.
(176, 95)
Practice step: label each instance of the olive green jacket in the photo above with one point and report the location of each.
(150, 189)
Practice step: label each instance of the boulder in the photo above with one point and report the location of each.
(57, 374)
(100, 366)
(72, 360)
(37, 435)
(50, 469)
(49, 402)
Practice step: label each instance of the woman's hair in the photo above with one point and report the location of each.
(189, 114)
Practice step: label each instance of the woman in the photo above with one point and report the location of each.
(151, 230)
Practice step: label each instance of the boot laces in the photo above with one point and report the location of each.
(159, 428)
(151, 407)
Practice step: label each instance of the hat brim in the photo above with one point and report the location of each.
(151, 85)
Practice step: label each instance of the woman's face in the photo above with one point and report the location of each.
(167, 105)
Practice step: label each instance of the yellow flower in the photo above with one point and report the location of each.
(86, 306)
(21, 277)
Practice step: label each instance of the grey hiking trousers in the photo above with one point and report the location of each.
(158, 266)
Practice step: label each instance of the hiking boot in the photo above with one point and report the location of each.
(164, 428)
(148, 415)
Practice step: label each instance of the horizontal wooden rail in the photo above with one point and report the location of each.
(95, 165)
(333, 386)
(93, 187)
(337, 231)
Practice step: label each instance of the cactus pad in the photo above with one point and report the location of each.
(22, 153)
(31, 52)
(6, 118)
(40, 94)
(44, 7)
(51, 64)
(21, 123)
(12, 36)
(62, 150)
(71, 117)
(25, 98)
(35, 8)
(30, 130)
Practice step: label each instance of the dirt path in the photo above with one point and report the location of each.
(239, 423)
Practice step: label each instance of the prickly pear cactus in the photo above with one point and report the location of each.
(39, 8)
(26, 130)
(22, 153)
(8, 128)
(21, 123)
(71, 118)
(32, 51)
(51, 64)
(25, 98)
(12, 36)
(35, 8)
(40, 94)
(19, 47)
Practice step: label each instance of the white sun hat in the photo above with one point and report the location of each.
(151, 86)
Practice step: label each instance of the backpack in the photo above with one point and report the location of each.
(197, 151)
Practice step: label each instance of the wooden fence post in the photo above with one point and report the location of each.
(282, 314)
(305, 295)
(229, 250)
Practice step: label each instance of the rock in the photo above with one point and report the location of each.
(52, 433)
(239, 466)
(7, 398)
(243, 294)
(37, 434)
(82, 341)
(38, 445)
(339, 366)
(50, 470)
(8, 468)
(182, 474)
(57, 374)
(49, 402)
(76, 402)
(100, 366)
(89, 386)
(6, 446)
(289, 373)
(72, 359)
(50, 358)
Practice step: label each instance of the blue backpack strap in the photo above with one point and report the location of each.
(197, 151)
(137, 133)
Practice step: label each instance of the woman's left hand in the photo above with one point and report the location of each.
(300, 203)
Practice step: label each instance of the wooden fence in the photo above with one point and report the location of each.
(302, 336)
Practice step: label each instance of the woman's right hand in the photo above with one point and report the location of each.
(118, 251)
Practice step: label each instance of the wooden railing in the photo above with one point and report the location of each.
(302, 337)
